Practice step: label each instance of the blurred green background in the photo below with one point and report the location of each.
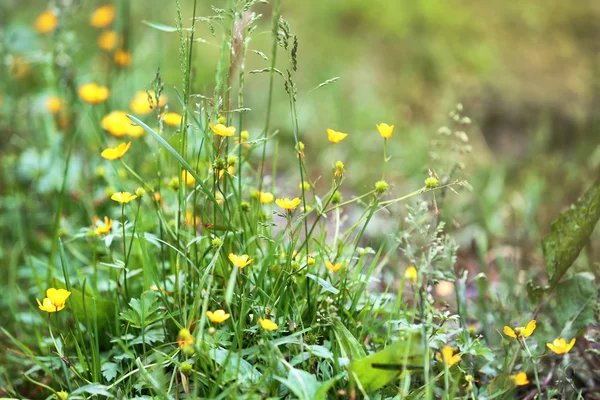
(526, 72)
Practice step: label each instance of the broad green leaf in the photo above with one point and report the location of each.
(235, 367)
(305, 386)
(570, 232)
(351, 348)
(576, 299)
(381, 368)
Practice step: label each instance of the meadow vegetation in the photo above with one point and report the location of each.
(196, 211)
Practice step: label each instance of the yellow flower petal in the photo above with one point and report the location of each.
(335, 136)
(103, 16)
(528, 331)
(508, 331)
(386, 131)
(288, 204)
(123, 197)
(267, 324)
(93, 93)
(520, 379)
(333, 267)
(218, 316)
(240, 261)
(116, 152)
(46, 22)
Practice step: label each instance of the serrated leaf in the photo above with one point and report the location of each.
(381, 368)
(143, 311)
(109, 370)
(235, 367)
(324, 284)
(576, 298)
(569, 234)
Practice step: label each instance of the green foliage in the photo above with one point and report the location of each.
(570, 233)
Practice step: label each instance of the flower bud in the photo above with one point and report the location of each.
(212, 331)
(219, 164)
(431, 182)
(304, 186)
(62, 395)
(245, 206)
(140, 192)
(186, 368)
(381, 187)
(231, 160)
(336, 198)
(188, 350)
(174, 183)
(216, 243)
(221, 120)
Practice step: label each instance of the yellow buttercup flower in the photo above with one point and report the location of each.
(54, 104)
(185, 338)
(123, 197)
(335, 137)
(117, 152)
(520, 332)
(266, 197)
(560, 345)
(222, 130)
(108, 40)
(93, 93)
(117, 124)
(102, 228)
(411, 274)
(240, 261)
(103, 16)
(288, 204)
(187, 178)
(333, 267)
(172, 119)
(46, 22)
(55, 300)
(122, 58)
(267, 324)
(386, 131)
(520, 379)
(447, 356)
(143, 102)
(218, 316)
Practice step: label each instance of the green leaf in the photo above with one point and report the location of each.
(381, 368)
(570, 232)
(94, 388)
(109, 370)
(235, 367)
(144, 311)
(305, 386)
(324, 284)
(576, 298)
(351, 348)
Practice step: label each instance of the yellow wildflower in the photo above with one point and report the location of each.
(117, 152)
(218, 316)
(46, 22)
(55, 300)
(334, 136)
(411, 274)
(448, 357)
(520, 332)
(310, 260)
(187, 178)
(122, 58)
(240, 261)
(143, 102)
(333, 267)
(102, 228)
(222, 130)
(245, 135)
(560, 345)
(386, 131)
(185, 338)
(520, 379)
(267, 324)
(103, 16)
(123, 197)
(172, 119)
(288, 204)
(189, 218)
(54, 104)
(265, 197)
(108, 40)
(93, 93)
(117, 124)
